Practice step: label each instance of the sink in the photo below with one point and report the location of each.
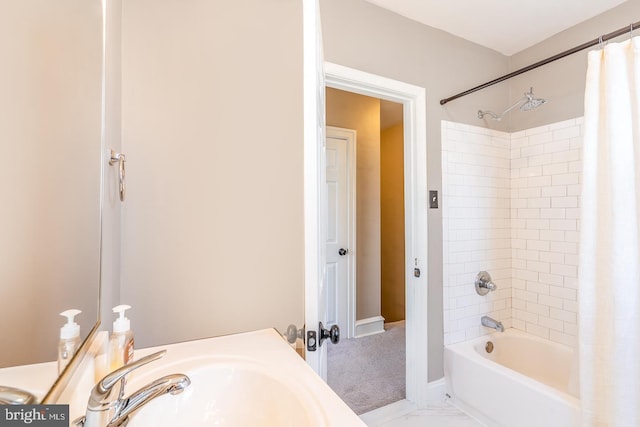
(232, 393)
(252, 379)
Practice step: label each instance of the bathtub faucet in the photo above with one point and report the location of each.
(492, 323)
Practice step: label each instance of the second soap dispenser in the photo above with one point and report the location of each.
(120, 349)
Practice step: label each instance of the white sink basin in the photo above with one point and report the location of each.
(253, 379)
(232, 393)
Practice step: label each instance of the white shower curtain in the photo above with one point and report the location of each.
(609, 292)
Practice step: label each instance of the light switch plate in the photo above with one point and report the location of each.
(433, 199)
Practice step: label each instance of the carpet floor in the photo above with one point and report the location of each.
(369, 372)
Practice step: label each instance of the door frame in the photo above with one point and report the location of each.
(349, 136)
(413, 99)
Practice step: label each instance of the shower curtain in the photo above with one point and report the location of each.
(609, 278)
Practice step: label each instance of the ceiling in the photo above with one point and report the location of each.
(502, 25)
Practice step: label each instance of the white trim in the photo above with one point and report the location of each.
(388, 413)
(436, 391)
(370, 326)
(312, 162)
(350, 138)
(413, 99)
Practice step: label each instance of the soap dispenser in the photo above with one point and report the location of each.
(121, 340)
(69, 339)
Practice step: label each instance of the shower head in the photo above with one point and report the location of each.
(529, 102)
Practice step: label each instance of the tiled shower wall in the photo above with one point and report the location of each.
(476, 192)
(531, 251)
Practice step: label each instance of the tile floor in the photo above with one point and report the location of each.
(443, 415)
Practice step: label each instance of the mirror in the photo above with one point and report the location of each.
(51, 83)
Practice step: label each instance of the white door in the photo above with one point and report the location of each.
(315, 224)
(339, 239)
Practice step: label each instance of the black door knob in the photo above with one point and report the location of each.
(332, 333)
(342, 251)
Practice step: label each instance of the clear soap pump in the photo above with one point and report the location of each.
(121, 341)
(69, 339)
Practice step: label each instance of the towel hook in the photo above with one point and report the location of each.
(120, 159)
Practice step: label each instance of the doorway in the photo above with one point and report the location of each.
(412, 99)
(366, 248)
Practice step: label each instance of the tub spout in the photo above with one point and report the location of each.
(492, 323)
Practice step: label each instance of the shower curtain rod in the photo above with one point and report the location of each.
(561, 55)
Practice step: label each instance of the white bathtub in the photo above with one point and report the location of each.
(525, 381)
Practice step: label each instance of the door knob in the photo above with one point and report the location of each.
(342, 251)
(332, 333)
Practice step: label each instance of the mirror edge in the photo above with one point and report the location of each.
(65, 376)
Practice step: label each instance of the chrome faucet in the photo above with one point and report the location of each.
(15, 396)
(107, 405)
(492, 323)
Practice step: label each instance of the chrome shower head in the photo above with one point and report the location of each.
(529, 103)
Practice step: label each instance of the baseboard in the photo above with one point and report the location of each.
(436, 392)
(387, 413)
(370, 326)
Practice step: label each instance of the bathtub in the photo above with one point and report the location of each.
(525, 381)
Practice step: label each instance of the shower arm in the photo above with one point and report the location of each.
(495, 116)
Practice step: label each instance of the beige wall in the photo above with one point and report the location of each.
(392, 222)
(562, 82)
(212, 236)
(362, 36)
(362, 113)
(50, 81)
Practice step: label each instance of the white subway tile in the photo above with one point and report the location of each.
(554, 169)
(566, 179)
(552, 257)
(532, 150)
(555, 324)
(538, 330)
(540, 310)
(519, 163)
(551, 279)
(563, 315)
(540, 267)
(536, 130)
(550, 301)
(541, 159)
(539, 202)
(556, 291)
(518, 324)
(569, 305)
(557, 146)
(571, 282)
(555, 191)
(563, 224)
(552, 235)
(538, 224)
(525, 315)
(525, 295)
(571, 328)
(566, 133)
(564, 270)
(573, 213)
(564, 202)
(539, 181)
(538, 245)
(554, 213)
(539, 288)
(564, 247)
